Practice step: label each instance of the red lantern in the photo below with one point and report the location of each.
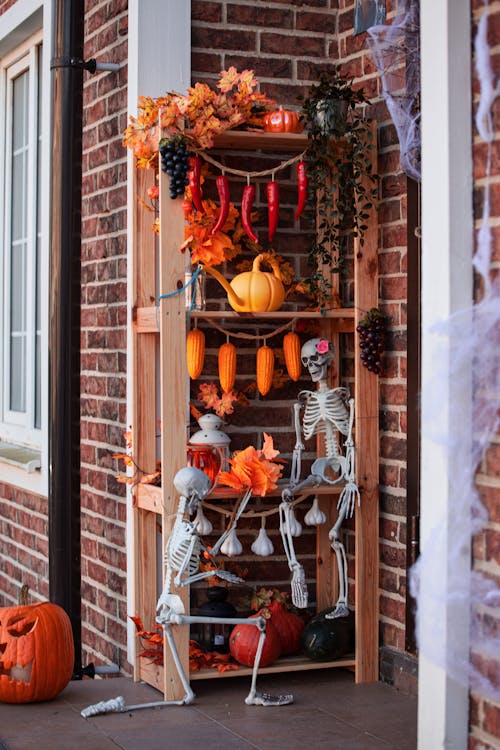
(206, 458)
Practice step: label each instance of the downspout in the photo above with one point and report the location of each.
(64, 323)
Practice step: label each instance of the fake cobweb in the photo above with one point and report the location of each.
(396, 55)
(472, 339)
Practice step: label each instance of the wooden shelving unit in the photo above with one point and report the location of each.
(160, 375)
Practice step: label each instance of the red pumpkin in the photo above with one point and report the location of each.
(282, 121)
(244, 639)
(36, 652)
(289, 627)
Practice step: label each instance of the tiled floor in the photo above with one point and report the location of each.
(329, 711)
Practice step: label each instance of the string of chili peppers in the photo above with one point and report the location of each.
(272, 191)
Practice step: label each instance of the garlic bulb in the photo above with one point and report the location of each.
(232, 545)
(262, 545)
(314, 516)
(201, 523)
(295, 526)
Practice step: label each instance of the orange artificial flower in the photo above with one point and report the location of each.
(253, 469)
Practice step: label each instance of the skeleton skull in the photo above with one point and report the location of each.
(192, 482)
(316, 356)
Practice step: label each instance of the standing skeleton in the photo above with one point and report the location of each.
(330, 412)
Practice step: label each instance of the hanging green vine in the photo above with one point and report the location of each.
(342, 185)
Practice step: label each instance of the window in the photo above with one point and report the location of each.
(21, 252)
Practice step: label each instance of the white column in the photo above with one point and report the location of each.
(159, 60)
(447, 234)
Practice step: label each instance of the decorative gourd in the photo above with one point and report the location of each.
(227, 366)
(289, 627)
(36, 651)
(282, 121)
(195, 352)
(265, 369)
(291, 351)
(244, 639)
(325, 639)
(255, 290)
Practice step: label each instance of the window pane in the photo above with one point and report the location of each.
(18, 288)
(38, 315)
(18, 373)
(20, 113)
(18, 209)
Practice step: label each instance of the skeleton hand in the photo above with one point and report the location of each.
(347, 500)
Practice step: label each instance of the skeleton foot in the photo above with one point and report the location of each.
(265, 699)
(341, 610)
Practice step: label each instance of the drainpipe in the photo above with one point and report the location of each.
(64, 326)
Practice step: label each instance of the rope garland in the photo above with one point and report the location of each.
(250, 336)
(243, 173)
(253, 513)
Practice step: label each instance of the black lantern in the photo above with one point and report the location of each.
(215, 636)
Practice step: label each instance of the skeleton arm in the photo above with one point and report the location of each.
(299, 446)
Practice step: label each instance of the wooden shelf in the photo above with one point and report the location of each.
(246, 140)
(146, 318)
(285, 664)
(160, 380)
(149, 496)
(153, 674)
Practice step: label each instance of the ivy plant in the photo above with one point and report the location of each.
(342, 185)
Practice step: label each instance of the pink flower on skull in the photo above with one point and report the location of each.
(322, 346)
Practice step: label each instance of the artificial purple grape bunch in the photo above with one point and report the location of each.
(372, 339)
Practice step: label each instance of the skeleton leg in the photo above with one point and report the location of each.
(350, 493)
(254, 698)
(341, 608)
(298, 583)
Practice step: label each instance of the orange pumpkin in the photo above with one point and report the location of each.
(282, 121)
(36, 652)
(244, 640)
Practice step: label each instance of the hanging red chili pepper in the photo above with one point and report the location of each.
(246, 211)
(194, 182)
(302, 183)
(273, 207)
(223, 190)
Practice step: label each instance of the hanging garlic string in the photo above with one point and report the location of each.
(262, 546)
(314, 516)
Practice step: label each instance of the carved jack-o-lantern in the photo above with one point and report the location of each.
(36, 652)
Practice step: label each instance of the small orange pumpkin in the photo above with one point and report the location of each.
(37, 654)
(282, 121)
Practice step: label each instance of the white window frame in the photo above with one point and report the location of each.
(25, 24)
(16, 425)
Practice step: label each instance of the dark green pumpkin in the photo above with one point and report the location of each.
(325, 639)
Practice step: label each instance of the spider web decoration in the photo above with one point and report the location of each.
(396, 53)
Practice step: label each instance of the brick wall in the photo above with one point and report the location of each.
(104, 314)
(23, 544)
(485, 714)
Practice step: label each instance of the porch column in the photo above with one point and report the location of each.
(447, 242)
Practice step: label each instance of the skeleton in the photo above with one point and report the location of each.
(327, 411)
(182, 554)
